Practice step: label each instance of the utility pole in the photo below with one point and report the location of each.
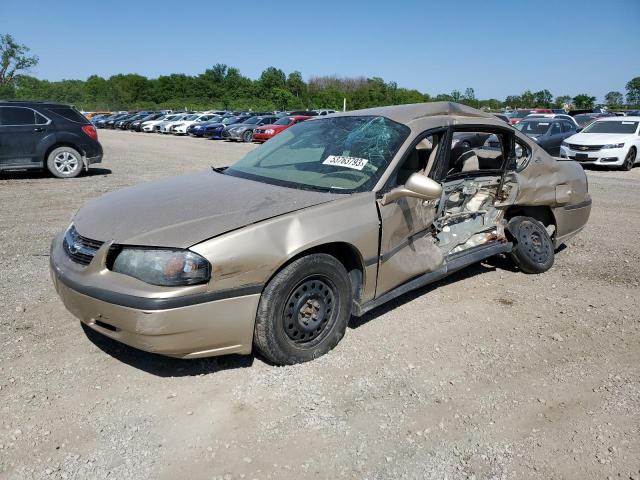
(344, 104)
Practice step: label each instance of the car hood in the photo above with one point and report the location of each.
(597, 138)
(240, 125)
(182, 211)
(273, 127)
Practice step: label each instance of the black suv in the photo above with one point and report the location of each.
(37, 135)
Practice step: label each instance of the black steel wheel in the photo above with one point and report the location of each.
(304, 310)
(629, 160)
(533, 248)
(308, 310)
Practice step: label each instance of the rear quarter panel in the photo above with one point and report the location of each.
(558, 184)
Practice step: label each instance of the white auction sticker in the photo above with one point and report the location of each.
(350, 162)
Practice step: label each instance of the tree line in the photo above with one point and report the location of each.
(224, 87)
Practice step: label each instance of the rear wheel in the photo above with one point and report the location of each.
(64, 162)
(533, 248)
(304, 310)
(629, 160)
(247, 136)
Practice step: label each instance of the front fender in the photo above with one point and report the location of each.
(251, 255)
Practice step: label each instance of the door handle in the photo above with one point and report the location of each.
(38, 129)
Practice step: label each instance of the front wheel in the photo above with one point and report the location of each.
(533, 248)
(247, 136)
(629, 160)
(304, 310)
(64, 162)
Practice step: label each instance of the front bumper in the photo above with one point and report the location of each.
(233, 136)
(185, 327)
(613, 157)
(262, 137)
(216, 134)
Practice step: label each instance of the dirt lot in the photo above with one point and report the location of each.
(491, 374)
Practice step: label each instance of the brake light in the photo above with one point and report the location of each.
(91, 131)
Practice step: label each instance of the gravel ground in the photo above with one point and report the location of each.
(491, 374)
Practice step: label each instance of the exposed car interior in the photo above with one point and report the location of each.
(474, 181)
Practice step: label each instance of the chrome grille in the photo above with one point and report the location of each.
(584, 148)
(80, 249)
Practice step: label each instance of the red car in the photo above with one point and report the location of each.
(266, 132)
(518, 115)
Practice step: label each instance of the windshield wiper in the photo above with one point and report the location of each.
(219, 169)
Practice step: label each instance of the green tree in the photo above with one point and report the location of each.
(14, 59)
(296, 85)
(528, 99)
(614, 99)
(469, 97)
(583, 101)
(513, 101)
(562, 100)
(272, 78)
(633, 92)
(456, 96)
(543, 98)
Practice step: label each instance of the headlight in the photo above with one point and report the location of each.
(178, 125)
(614, 145)
(164, 267)
(270, 131)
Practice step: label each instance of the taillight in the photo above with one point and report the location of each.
(91, 131)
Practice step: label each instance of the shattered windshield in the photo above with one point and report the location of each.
(340, 154)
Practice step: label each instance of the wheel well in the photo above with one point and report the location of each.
(541, 213)
(60, 144)
(347, 255)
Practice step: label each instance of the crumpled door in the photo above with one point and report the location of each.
(408, 247)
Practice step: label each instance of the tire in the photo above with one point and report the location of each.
(247, 136)
(629, 160)
(65, 162)
(304, 310)
(533, 250)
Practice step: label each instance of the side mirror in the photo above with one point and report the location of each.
(417, 186)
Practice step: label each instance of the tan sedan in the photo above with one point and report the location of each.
(331, 218)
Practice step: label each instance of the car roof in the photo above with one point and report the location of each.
(421, 116)
(543, 119)
(618, 119)
(42, 103)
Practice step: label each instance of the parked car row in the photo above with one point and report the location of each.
(558, 133)
(215, 125)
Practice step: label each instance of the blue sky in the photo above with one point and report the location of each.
(497, 47)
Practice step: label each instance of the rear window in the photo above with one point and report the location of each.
(17, 116)
(70, 114)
